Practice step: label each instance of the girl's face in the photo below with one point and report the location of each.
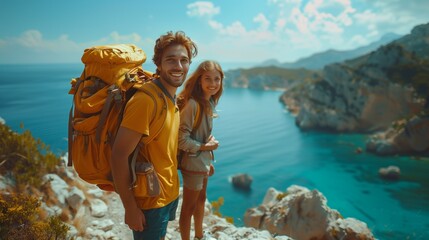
(210, 83)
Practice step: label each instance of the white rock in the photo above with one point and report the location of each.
(51, 210)
(72, 232)
(295, 189)
(350, 229)
(96, 192)
(98, 208)
(301, 214)
(70, 172)
(105, 225)
(58, 186)
(253, 217)
(97, 233)
(390, 172)
(271, 197)
(5, 183)
(75, 198)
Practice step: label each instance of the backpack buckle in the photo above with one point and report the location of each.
(130, 78)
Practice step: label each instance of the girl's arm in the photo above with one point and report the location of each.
(187, 116)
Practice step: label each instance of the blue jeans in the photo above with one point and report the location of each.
(156, 222)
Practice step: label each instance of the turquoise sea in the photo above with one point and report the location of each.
(258, 137)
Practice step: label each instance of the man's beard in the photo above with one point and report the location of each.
(166, 78)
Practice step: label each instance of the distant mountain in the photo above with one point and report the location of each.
(270, 62)
(319, 60)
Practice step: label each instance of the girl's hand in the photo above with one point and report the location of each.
(212, 143)
(212, 170)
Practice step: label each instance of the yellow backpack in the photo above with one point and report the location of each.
(112, 74)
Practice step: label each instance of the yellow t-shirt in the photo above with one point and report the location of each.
(162, 150)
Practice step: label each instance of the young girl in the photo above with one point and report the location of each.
(197, 103)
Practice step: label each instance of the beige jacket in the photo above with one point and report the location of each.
(195, 161)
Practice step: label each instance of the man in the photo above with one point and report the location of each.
(148, 217)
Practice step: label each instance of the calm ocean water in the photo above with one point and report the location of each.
(257, 137)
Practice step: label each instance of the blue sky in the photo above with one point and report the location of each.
(55, 31)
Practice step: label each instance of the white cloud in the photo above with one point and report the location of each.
(115, 37)
(294, 32)
(202, 9)
(328, 17)
(262, 20)
(133, 37)
(31, 46)
(393, 16)
(238, 34)
(284, 29)
(370, 17)
(303, 41)
(300, 21)
(331, 28)
(314, 17)
(311, 9)
(280, 24)
(282, 2)
(239, 50)
(235, 29)
(216, 25)
(33, 39)
(345, 19)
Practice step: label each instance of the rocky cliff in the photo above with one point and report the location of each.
(367, 93)
(403, 137)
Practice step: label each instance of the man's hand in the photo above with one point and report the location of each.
(125, 143)
(135, 219)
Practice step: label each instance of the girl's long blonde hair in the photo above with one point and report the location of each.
(192, 88)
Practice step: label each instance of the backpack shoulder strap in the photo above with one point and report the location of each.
(197, 119)
(152, 92)
(156, 126)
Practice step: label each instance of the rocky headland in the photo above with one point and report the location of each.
(368, 93)
(376, 93)
(384, 92)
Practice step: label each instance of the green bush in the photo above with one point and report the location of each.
(24, 158)
(19, 219)
(280, 196)
(216, 209)
(413, 75)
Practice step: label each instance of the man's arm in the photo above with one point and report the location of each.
(125, 143)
